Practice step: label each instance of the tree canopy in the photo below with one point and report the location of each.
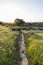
(18, 22)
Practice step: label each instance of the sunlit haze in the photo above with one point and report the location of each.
(28, 10)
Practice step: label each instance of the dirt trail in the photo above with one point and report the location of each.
(23, 57)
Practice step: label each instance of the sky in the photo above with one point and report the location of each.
(28, 10)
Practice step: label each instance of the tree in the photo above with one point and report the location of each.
(18, 22)
(1, 23)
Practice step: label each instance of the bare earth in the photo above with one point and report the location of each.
(24, 60)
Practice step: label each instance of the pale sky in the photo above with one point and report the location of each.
(28, 10)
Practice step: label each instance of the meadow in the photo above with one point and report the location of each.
(34, 46)
(9, 48)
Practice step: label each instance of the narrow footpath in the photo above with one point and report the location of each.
(22, 50)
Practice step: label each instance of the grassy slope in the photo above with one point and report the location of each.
(8, 47)
(34, 47)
